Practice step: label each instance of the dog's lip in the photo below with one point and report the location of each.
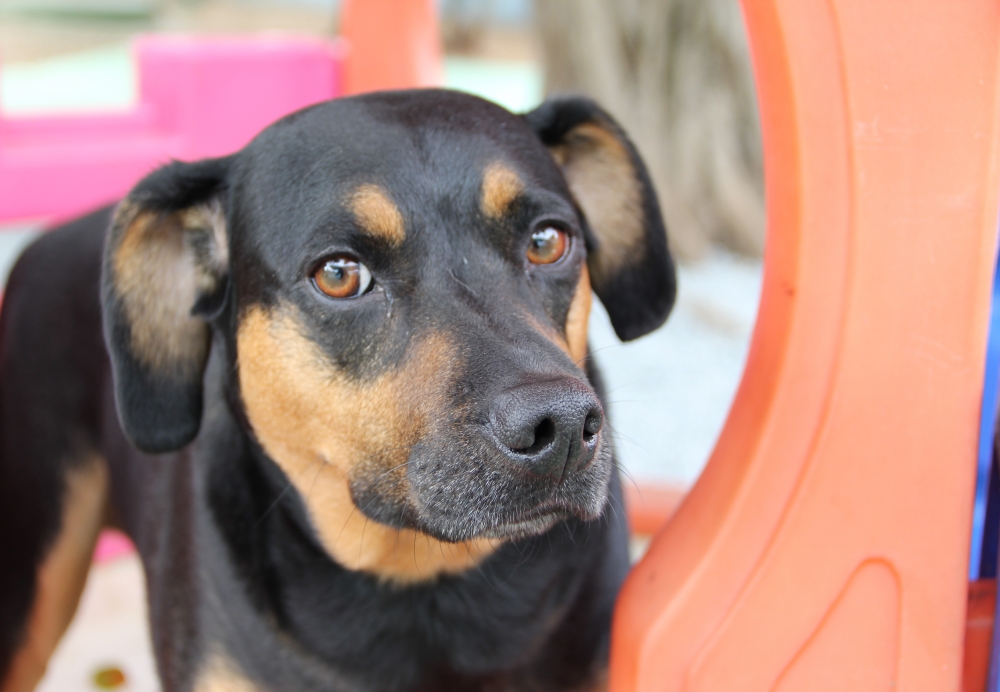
(537, 524)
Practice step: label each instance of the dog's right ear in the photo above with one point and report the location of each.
(630, 265)
(165, 259)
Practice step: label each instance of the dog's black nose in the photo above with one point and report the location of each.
(550, 428)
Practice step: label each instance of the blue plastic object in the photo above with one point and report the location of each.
(986, 512)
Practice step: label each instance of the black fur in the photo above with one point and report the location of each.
(52, 366)
(179, 185)
(233, 563)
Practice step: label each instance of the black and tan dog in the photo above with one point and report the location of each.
(354, 358)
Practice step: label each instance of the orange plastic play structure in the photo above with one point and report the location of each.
(825, 546)
(391, 44)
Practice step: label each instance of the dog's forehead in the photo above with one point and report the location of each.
(412, 146)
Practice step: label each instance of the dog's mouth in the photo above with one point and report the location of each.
(525, 528)
(463, 490)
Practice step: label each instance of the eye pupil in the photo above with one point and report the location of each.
(547, 246)
(342, 277)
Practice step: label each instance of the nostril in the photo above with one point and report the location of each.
(591, 426)
(542, 437)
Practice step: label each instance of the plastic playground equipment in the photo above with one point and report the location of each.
(207, 96)
(198, 97)
(826, 545)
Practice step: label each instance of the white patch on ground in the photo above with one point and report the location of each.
(669, 392)
(109, 631)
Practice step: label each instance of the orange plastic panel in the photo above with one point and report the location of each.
(649, 506)
(391, 44)
(825, 546)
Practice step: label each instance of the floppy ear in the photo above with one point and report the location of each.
(630, 266)
(165, 263)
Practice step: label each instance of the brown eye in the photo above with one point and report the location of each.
(547, 246)
(342, 277)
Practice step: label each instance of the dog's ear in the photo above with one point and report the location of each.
(165, 269)
(630, 266)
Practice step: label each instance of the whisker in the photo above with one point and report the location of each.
(590, 353)
(361, 543)
(629, 477)
(274, 503)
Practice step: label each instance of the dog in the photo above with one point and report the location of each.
(336, 389)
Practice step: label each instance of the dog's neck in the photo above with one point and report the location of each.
(457, 631)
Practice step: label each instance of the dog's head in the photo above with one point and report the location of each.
(404, 281)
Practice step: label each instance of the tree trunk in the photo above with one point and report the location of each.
(676, 74)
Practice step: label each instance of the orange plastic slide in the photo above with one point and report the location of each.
(825, 546)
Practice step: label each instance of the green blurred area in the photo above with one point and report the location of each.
(515, 85)
(103, 79)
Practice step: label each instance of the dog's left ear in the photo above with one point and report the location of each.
(165, 271)
(630, 266)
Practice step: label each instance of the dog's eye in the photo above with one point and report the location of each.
(547, 246)
(342, 277)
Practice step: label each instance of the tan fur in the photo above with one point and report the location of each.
(501, 186)
(573, 339)
(62, 574)
(378, 214)
(578, 319)
(219, 674)
(324, 430)
(209, 218)
(603, 181)
(158, 275)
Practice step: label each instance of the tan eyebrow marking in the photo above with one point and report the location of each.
(501, 186)
(578, 318)
(573, 340)
(379, 215)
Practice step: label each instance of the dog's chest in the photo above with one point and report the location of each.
(339, 630)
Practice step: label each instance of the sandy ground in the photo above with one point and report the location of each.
(108, 632)
(669, 392)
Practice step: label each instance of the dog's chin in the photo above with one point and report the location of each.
(518, 526)
(491, 525)
(524, 528)
(454, 503)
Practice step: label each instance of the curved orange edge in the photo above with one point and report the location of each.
(649, 506)
(825, 545)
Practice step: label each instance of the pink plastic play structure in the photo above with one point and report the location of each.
(198, 97)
